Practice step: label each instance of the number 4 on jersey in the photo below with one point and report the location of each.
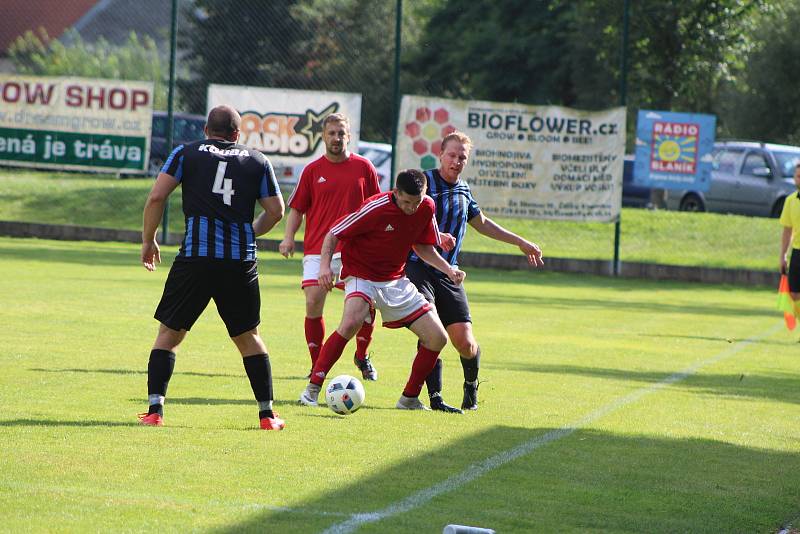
(223, 186)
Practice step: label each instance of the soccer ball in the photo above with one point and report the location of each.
(344, 394)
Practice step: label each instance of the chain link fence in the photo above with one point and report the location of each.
(345, 46)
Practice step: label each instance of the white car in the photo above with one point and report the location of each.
(380, 154)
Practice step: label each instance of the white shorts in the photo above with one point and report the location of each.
(398, 300)
(311, 270)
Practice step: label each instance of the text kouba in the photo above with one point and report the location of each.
(227, 152)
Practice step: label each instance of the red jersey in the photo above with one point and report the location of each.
(378, 237)
(328, 190)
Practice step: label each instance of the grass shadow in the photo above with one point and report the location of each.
(564, 480)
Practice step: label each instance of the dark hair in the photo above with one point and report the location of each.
(223, 121)
(411, 182)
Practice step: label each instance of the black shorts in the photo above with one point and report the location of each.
(450, 299)
(794, 271)
(192, 283)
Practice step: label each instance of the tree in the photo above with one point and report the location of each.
(764, 104)
(507, 50)
(137, 59)
(568, 53)
(239, 42)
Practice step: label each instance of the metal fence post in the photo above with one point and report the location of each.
(623, 83)
(173, 45)
(398, 25)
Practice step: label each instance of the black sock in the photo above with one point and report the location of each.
(471, 367)
(260, 374)
(159, 371)
(434, 380)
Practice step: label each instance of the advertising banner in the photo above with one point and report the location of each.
(286, 124)
(536, 162)
(75, 123)
(673, 150)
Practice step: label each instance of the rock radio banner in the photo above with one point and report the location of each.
(75, 123)
(286, 124)
(537, 162)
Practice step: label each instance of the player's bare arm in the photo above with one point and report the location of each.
(491, 229)
(325, 274)
(293, 221)
(273, 212)
(429, 255)
(153, 211)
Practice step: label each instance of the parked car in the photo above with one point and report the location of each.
(635, 196)
(380, 154)
(186, 128)
(747, 178)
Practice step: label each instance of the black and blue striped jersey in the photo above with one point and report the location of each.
(221, 182)
(455, 206)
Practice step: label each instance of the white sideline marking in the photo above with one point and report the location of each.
(476, 470)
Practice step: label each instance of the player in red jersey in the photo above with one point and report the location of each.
(329, 187)
(376, 241)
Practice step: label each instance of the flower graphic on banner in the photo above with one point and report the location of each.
(426, 133)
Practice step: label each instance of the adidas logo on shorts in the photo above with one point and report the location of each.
(389, 228)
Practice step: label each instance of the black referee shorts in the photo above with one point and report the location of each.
(191, 284)
(794, 271)
(450, 299)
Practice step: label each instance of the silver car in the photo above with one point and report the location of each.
(747, 178)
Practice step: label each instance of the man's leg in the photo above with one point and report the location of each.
(314, 325)
(434, 383)
(159, 372)
(259, 372)
(432, 339)
(363, 339)
(355, 311)
(464, 341)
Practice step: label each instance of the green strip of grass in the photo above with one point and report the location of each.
(583, 357)
(666, 237)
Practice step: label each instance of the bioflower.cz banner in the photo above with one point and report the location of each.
(75, 123)
(537, 162)
(286, 124)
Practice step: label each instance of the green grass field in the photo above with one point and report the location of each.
(606, 406)
(674, 238)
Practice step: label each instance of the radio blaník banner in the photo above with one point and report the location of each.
(673, 150)
(536, 162)
(75, 123)
(286, 124)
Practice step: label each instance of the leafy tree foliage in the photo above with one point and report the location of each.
(764, 104)
(136, 59)
(507, 50)
(559, 52)
(239, 42)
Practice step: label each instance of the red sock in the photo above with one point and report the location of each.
(329, 355)
(423, 364)
(364, 336)
(315, 334)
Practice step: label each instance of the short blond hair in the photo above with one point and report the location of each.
(461, 137)
(336, 117)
